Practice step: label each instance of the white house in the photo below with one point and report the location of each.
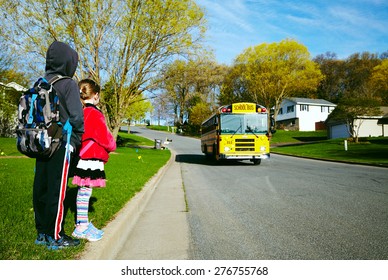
(367, 126)
(14, 85)
(304, 114)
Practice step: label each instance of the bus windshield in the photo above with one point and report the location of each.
(243, 123)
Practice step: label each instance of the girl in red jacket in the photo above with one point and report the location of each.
(97, 143)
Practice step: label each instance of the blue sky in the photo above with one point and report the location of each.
(342, 27)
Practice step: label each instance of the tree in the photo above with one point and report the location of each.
(9, 94)
(9, 100)
(271, 72)
(234, 87)
(358, 88)
(358, 71)
(331, 88)
(163, 109)
(199, 112)
(9, 71)
(379, 81)
(177, 83)
(188, 82)
(138, 109)
(121, 42)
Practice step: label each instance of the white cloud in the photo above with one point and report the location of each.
(341, 26)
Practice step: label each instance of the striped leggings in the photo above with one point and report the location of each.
(82, 203)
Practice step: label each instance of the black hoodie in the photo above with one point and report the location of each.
(62, 60)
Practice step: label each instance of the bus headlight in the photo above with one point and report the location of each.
(226, 149)
(262, 148)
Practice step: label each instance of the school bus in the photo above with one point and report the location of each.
(238, 131)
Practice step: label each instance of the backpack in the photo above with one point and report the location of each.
(39, 132)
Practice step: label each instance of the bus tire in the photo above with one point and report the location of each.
(256, 161)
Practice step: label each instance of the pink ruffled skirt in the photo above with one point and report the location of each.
(89, 173)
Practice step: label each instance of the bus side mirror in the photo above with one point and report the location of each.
(272, 128)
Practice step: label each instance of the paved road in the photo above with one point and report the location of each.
(285, 208)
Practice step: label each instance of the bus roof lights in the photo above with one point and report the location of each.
(261, 109)
(226, 109)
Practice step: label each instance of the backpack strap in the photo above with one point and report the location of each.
(30, 114)
(67, 128)
(56, 78)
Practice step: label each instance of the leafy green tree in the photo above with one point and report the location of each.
(379, 81)
(271, 72)
(9, 98)
(138, 109)
(123, 42)
(198, 113)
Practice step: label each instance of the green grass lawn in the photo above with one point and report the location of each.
(282, 136)
(161, 127)
(373, 150)
(127, 171)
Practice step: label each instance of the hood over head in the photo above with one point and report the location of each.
(61, 59)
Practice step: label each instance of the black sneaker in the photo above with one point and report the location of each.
(64, 242)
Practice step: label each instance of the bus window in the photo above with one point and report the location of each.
(232, 123)
(256, 123)
(243, 123)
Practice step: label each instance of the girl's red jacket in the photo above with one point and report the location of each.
(97, 140)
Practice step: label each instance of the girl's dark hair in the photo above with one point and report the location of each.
(88, 88)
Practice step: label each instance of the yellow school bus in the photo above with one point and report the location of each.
(237, 132)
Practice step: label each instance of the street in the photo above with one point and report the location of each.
(286, 208)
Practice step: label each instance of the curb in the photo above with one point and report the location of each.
(117, 231)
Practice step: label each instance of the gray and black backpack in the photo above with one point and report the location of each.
(39, 132)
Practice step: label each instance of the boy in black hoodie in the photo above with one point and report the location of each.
(51, 175)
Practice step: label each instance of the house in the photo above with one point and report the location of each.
(368, 126)
(13, 85)
(9, 100)
(304, 114)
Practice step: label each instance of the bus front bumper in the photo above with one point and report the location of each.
(243, 157)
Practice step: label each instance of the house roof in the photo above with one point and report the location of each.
(14, 86)
(384, 118)
(299, 100)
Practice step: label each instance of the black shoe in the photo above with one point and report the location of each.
(64, 242)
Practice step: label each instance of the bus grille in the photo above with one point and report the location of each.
(243, 145)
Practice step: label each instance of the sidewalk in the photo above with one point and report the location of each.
(152, 226)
